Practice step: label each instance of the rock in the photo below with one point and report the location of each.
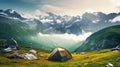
(33, 51)
(109, 65)
(9, 45)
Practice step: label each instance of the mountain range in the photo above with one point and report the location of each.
(89, 22)
(25, 30)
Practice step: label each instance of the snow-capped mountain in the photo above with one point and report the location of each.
(52, 23)
(54, 29)
(10, 13)
(89, 22)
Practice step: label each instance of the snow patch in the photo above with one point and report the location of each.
(58, 21)
(116, 19)
(95, 21)
(46, 20)
(11, 11)
(3, 13)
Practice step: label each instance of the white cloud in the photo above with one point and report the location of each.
(90, 11)
(78, 7)
(75, 7)
(61, 40)
(116, 19)
(116, 2)
(39, 12)
(57, 10)
(51, 8)
(27, 15)
(67, 37)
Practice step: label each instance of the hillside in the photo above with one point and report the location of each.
(103, 39)
(20, 31)
(88, 59)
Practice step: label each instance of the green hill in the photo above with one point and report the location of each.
(30, 34)
(103, 39)
(21, 32)
(89, 59)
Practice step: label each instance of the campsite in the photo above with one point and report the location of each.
(83, 59)
(59, 33)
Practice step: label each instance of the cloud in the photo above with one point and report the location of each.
(116, 19)
(51, 8)
(63, 40)
(39, 12)
(78, 7)
(27, 15)
(116, 2)
(67, 37)
(58, 10)
(74, 7)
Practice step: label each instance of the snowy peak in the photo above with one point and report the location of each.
(9, 13)
(53, 23)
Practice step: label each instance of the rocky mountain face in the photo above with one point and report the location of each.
(89, 22)
(10, 13)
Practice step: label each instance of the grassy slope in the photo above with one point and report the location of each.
(92, 59)
(98, 37)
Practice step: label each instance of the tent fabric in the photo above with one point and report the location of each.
(59, 54)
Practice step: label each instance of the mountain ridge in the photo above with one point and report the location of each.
(104, 39)
(89, 22)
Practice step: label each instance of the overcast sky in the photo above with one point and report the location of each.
(61, 7)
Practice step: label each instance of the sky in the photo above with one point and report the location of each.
(61, 7)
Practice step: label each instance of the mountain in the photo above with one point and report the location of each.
(55, 29)
(10, 13)
(24, 32)
(52, 23)
(89, 22)
(103, 39)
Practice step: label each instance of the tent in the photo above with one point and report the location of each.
(59, 54)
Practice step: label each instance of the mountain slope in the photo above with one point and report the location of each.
(22, 32)
(103, 39)
(14, 29)
(27, 32)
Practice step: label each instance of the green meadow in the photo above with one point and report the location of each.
(87, 59)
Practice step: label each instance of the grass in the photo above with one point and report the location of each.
(89, 59)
